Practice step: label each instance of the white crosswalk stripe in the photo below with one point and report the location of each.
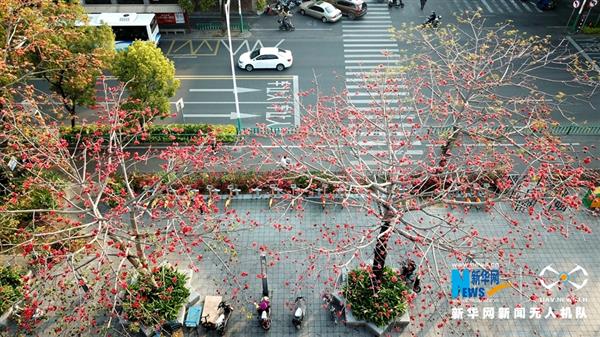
(370, 50)
(494, 6)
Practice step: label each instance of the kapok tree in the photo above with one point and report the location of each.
(470, 113)
(107, 225)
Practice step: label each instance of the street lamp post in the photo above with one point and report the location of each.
(235, 91)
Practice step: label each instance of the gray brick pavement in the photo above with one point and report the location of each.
(299, 269)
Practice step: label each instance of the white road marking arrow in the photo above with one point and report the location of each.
(232, 115)
(240, 90)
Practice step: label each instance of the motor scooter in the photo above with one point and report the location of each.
(225, 311)
(264, 313)
(216, 314)
(408, 275)
(286, 24)
(299, 311)
(433, 20)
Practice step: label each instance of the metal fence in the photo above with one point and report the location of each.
(558, 130)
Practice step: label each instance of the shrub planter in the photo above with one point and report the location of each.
(163, 304)
(11, 291)
(389, 285)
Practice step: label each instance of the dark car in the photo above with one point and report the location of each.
(351, 8)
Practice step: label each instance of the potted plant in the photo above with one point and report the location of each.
(148, 303)
(378, 306)
(260, 6)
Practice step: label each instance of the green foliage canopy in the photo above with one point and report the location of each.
(148, 74)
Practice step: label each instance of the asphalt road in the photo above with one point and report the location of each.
(329, 55)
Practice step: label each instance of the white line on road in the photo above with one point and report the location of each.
(583, 53)
(365, 35)
(275, 29)
(348, 45)
(368, 40)
(377, 54)
(378, 51)
(239, 90)
(231, 115)
(381, 30)
(382, 60)
(373, 23)
(370, 101)
(220, 102)
(371, 67)
(503, 5)
(487, 6)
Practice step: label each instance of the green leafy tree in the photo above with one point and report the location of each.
(148, 74)
(186, 5)
(207, 5)
(74, 61)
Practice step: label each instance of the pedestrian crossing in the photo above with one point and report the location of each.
(369, 46)
(493, 6)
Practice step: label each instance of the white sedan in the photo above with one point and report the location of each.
(266, 58)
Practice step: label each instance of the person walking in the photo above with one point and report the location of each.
(423, 2)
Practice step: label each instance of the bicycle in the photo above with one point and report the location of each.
(322, 192)
(212, 192)
(232, 190)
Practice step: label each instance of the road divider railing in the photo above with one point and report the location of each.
(206, 26)
(557, 130)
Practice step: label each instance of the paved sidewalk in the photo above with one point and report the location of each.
(297, 268)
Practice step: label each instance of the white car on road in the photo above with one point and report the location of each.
(266, 58)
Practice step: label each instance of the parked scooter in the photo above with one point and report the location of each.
(289, 3)
(434, 20)
(225, 311)
(299, 311)
(407, 274)
(264, 312)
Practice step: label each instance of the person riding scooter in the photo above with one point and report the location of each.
(433, 20)
(398, 3)
(284, 20)
(264, 312)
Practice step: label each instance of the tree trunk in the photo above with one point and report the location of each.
(447, 146)
(381, 246)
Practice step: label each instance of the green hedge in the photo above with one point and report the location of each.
(163, 133)
(590, 30)
(11, 286)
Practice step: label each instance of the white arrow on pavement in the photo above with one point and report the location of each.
(232, 115)
(239, 90)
